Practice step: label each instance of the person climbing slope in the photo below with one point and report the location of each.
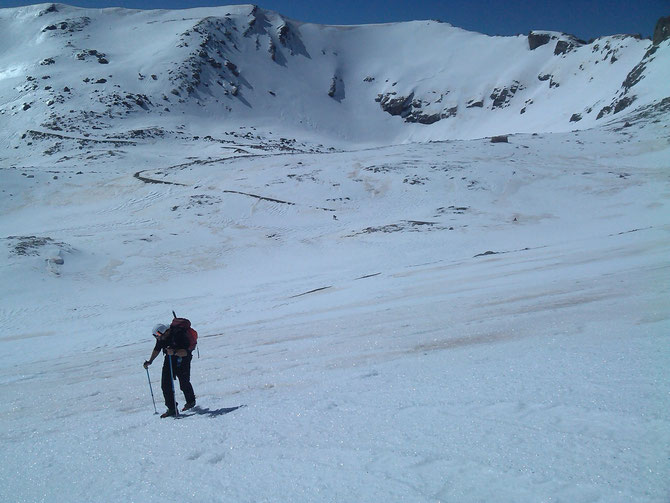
(177, 346)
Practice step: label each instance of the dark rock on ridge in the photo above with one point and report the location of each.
(52, 8)
(662, 30)
(565, 46)
(536, 40)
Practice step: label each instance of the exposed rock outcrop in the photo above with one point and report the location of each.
(421, 117)
(625, 97)
(569, 44)
(550, 78)
(662, 30)
(69, 25)
(49, 10)
(414, 110)
(289, 37)
(502, 96)
(393, 104)
(536, 40)
(500, 139)
(336, 90)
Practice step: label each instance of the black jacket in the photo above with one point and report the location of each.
(177, 340)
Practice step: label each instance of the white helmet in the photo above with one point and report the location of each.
(159, 330)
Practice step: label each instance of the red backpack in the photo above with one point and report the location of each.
(184, 325)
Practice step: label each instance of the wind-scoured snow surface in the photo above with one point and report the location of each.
(381, 318)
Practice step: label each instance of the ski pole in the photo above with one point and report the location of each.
(174, 395)
(152, 392)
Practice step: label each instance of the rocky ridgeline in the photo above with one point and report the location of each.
(206, 72)
(626, 96)
(423, 110)
(217, 42)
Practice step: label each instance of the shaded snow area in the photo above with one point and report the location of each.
(391, 307)
(453, 321)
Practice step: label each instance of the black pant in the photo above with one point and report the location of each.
(181, 369)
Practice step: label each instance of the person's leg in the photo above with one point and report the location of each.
(184, 376)
(167, 385)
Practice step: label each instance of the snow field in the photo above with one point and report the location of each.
(479, 322)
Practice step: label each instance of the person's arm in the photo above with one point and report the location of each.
(154, 354)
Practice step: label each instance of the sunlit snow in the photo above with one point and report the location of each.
(388, 310)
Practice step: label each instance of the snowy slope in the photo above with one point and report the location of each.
(380, 319)
(482, 324)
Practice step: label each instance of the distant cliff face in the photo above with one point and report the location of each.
(82, 71)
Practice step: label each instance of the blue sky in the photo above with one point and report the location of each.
(584, 18)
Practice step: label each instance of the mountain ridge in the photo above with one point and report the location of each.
(84, 70)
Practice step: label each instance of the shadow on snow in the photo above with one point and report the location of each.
(213, 413)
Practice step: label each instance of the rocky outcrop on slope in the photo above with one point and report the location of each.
(414, 110)
(336, 90)
(501, 97)
(211, 40)
(68, 26)
(429, 111)
(626, 96)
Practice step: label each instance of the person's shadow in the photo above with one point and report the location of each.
(214, 413)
